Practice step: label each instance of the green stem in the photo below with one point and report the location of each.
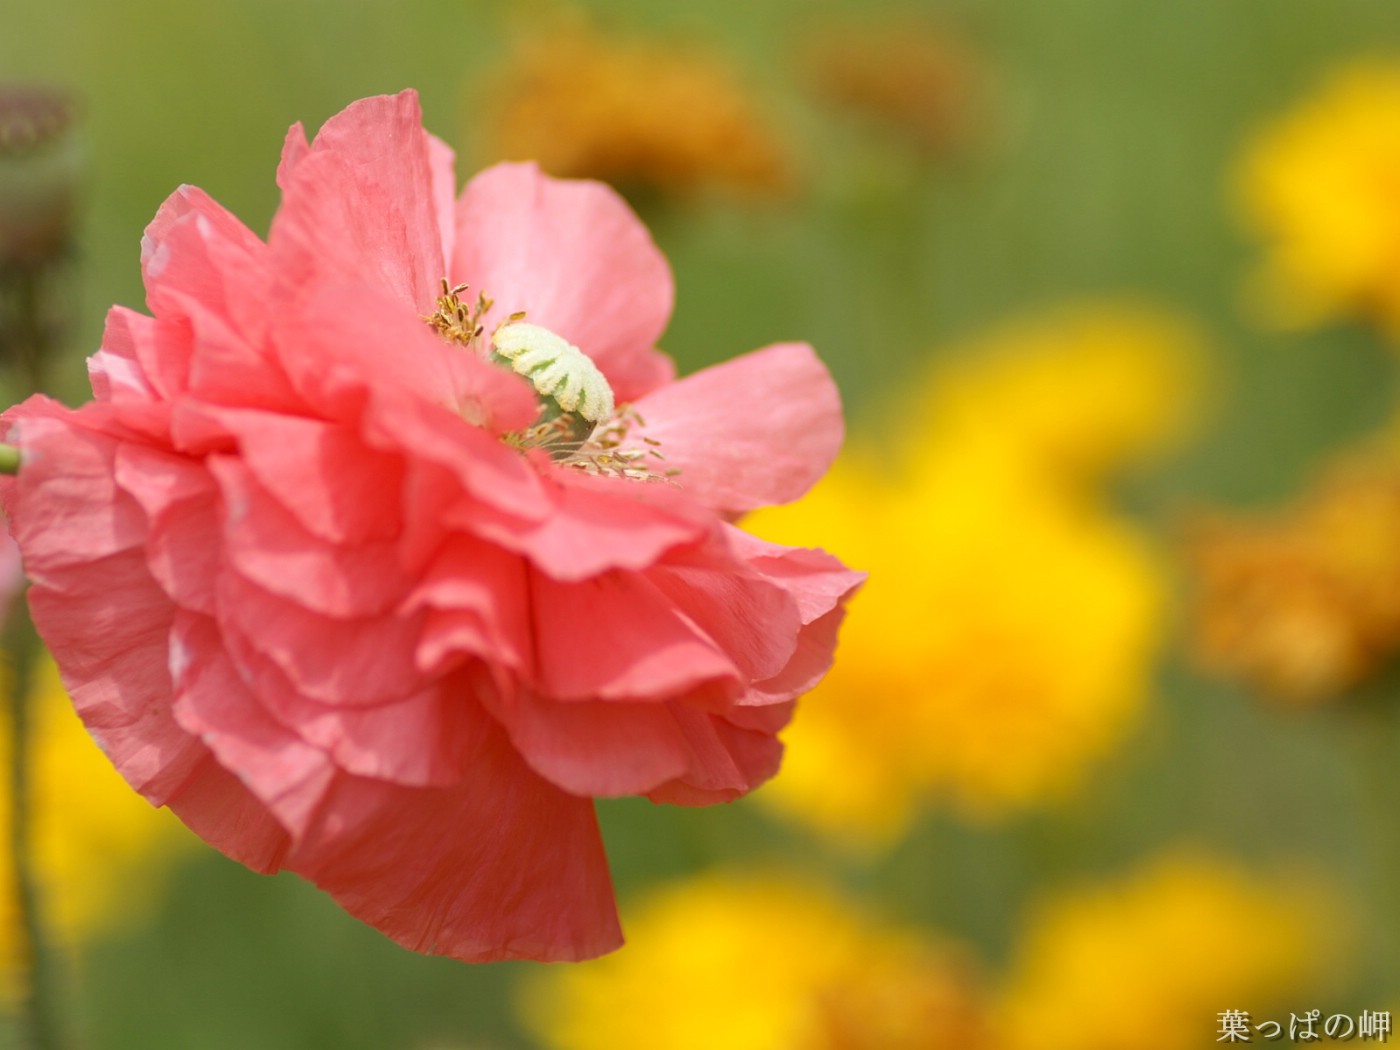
(28, 344)
(31, 337)
(1376, 729)
(39, 1026)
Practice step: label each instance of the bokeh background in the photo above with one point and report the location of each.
(1112, 292)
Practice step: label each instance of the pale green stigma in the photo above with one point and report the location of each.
(567, 381)
(579, 424)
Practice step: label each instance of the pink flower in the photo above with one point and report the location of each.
(320, 581)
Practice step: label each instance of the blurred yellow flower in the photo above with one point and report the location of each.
(760, 962)
(1305, 602)
(1006, 637)
(1150, 961)
(99, 849)
(1070, 395)
(639, 112)
(1321, 186)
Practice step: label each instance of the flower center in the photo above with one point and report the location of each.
(579, 424)
(566, 380)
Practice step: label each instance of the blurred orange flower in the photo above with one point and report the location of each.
(908, 75)
(641, 112)
(1304, 602)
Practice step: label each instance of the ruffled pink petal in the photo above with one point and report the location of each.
(442, 169)
(817, 580)
(596, 525)
(267, 546)
(119, 379)
(323, 475)
(617, 637)
(65, 507)
(214, 804)
(93, 600)
(196, 251)
(208, 281)
(600, 748)
(821, 586)
(226, 371)
(575, 258)
(751, 432)
(461, 478)
(349, 659)
(767, 718)
(184, 513)
(199, 430)
(752, 620)
(115, 370)
(213, 702)
(425, 740)
(816, 649)
(478, 601)
(108, 629)
(366, 660)
(366, 362)
(611, 749)
(502, 865)
(736, 759)
(429, 490)
(360, 203)
(337, 340)
(295, 147)
(422, 740)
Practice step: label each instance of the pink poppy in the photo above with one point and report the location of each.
(374, 580)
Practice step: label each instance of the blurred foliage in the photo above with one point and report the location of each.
(1100, 160)
(102, 852)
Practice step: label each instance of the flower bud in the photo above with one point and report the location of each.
(41, 162)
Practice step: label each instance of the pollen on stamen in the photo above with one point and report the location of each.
(454, 320)
(579, 426)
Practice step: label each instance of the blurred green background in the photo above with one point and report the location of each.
(1097, 164)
